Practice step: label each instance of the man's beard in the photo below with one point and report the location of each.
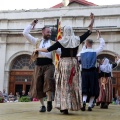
(46, 37)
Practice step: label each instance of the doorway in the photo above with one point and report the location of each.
(18, 88)
(21, 74)
(27, 89)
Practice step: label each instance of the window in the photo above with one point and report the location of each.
(22, 63)
(27, 78)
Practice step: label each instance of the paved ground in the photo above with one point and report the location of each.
(29, 111)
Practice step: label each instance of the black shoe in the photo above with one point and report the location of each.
(102, 105)
(65, 112)
(93, 105)
(84, 106)
(105, 106)
(89, 109)
(43, 109)
(97, 104)
(61, 111)
(49, 106)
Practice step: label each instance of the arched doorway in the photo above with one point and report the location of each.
(116, 74)
(21, 74)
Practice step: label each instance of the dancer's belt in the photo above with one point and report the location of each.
(89, 70)
(103, 74)
(43, 61)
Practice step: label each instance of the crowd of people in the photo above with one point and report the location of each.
(73, 86)
(15, 98)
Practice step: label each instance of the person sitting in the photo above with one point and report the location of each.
(23, 93)
(29, 96)
(17, 97)
(35, 99)
(2, 97)
(5, 95)
(11, 97)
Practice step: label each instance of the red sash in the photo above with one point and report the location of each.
(71, 76)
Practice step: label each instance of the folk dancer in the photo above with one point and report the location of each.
(88, 58)
(44, 82)
(68, 94)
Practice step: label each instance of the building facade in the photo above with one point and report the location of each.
(15, 50)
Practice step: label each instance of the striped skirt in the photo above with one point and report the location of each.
(66, 96)
(105, 94)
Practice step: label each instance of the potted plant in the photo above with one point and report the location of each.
(24, 99)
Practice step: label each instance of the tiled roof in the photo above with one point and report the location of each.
(82, 2)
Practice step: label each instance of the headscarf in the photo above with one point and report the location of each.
(69, 40)
(106, 66)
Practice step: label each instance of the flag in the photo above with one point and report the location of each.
(59, 36)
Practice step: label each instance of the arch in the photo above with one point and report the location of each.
(22, 63)
(108, 52)
(11, 59)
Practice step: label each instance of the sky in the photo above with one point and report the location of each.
(40, 4)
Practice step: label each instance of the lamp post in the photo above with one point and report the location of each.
(54, 31)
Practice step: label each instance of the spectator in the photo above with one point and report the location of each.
(11, 97)
(2, 97)
(5, 95)
(17, 97)
(29, 96)
(35, 99)
(23, 93)
(117, 100)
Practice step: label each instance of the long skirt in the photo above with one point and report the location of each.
(66, 96)
(105, 94)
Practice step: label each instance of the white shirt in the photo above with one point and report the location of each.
(43, 44)
(98, 50)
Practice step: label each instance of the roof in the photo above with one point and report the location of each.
(82, 2)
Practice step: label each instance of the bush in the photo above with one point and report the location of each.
(1, 100)
(24, 99)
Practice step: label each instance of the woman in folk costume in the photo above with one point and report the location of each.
(105, 82)
(68, 94)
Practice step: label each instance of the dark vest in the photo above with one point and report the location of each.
(88, 60)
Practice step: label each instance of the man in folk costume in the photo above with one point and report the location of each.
(88, 58)
(105, 82)
(68, 94)
(43, 82)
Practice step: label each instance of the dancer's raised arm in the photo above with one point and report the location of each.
(27, 34)
(90, 28)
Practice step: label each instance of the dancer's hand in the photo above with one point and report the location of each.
(36, 50)
(98, 34)
(117, 57)
(91, 22)
(92, 16)
(34, 22)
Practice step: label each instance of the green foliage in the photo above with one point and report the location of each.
(24, 99)
(1, 100)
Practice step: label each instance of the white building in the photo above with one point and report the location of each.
(15, 50)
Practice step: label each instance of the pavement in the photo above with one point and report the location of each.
(30, 111)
